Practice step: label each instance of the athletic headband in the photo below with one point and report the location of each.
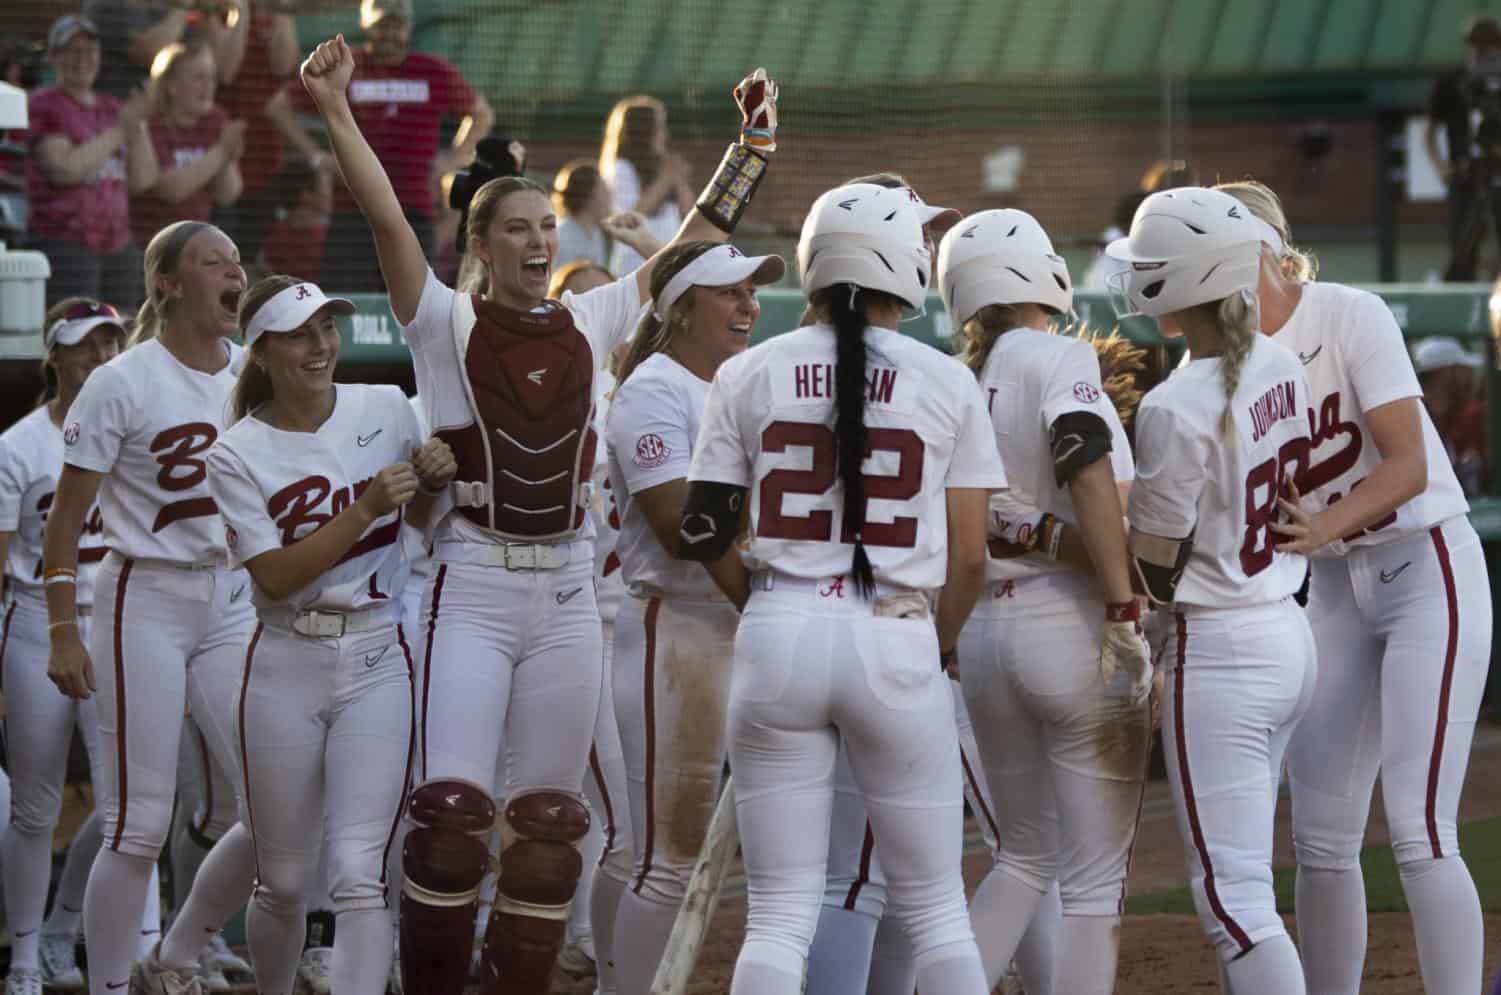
(719, 267)
(289, 308)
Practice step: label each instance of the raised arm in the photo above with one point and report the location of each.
(326, 74)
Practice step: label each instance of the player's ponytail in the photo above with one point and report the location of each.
(843, 305)
(978, 335)
(653, 335)
(253, 385)
(162, 255)
(1238, 320)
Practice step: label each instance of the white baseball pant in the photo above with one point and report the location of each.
(671, 677)
(1238, 681)
(605, 789)
(812, 664)
(325, 737)
(1404, 642)
(39, 721)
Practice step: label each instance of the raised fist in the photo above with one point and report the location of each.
(327, 72)
(756, 96)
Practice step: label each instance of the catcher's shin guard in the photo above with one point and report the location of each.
(539, 870)
(443, 862)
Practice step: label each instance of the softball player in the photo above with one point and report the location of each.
(136, 436)
(81, 334)
(507, 380)
(311, 480)
(838, 638)
(676, 630)
(1400, 605)
(1214, 444)
(1055, 670)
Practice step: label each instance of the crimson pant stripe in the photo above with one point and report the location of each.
(120, 730)
(650, 709)
(1441, 724)
(1210, 891)
(862, 877)
(406, 779)
(255, 637)
(979, 796)
(427, 658)
(604, 797)
(4, 640)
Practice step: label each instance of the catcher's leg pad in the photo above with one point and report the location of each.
(444, 859)
(540, 865)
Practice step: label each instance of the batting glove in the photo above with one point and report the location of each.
(756, 97)
(1125, 657)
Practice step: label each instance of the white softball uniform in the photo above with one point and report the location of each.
(39, 718)
(172, 616)
(1065, 758)
(419, 559)
(674, 639)
(1401, 613)
(1242, 662)
(537, 662)
(815, 662)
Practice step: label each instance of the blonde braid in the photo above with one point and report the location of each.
(1238, 320)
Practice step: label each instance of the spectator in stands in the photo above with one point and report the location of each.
(644, 174)
(131, 33)
(1446, 372)
(400, 99)
(577, 277)
(197, 147)
(582, 199)
(89, 152)
(1465, 105)
(293, 245)
(258, 56)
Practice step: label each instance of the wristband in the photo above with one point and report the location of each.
(60, 624)
(729, 193)
(1049, 536)
(59, 572)
(1123, 611)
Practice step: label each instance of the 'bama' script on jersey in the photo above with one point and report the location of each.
(146, 422)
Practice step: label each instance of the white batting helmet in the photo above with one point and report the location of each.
(1000, 257)
(1187, 246)
(866, 235)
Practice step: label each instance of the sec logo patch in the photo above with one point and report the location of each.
(71, 434)
(1086, 392)
(651, 451)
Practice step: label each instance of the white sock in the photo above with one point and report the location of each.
(1331, 929)
(603, 902)
(362, 950)
(580, 925)
(642, 929)
(1270, 968)
(274, 932)
(1036, 955)
(839, 960)
(767, 969)
(151, 915)
(27, 862)
(1447, 921)
(67, 904)
(223, 883)
(112, 906)
(953, 969)
(1000, 914)
(892, 971)
(1091, 947)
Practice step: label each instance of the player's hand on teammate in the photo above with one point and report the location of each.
(1125, 657)
(756, 96)
(68, 664)
(326, 73)
(1300, 524)
(435, 464)
(389, 490)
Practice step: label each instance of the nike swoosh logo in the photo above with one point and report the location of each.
(365, 440)
(113, 986)
(238, 591)
(27, 932)
(1310, 356)
(371, 659)
(566, 596)
(1388, 577)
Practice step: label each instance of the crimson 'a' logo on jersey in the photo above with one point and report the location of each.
(651, 451)
(177, 452)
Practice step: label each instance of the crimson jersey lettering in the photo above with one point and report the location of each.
(177, 451)
(1327, 427)
(294, 509)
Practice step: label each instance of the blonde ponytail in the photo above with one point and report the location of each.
(1298, 265)
(978, 334)
(162, 255)
(1238, 318)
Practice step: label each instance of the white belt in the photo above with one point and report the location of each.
(215, 563)
(511, 555)
(884, 600)
(316, 624)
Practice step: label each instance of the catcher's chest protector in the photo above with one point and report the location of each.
(530, 377)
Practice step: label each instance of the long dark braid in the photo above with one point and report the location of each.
(845, 308)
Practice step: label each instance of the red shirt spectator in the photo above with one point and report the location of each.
(270, 58)
(295, 251)
(400, 109)
(94, 214)
(178, 146)
(293, 245)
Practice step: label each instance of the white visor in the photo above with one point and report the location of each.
(66, 332)
(940, 219)
(719, 267)
(1268, 235)
(290, 308)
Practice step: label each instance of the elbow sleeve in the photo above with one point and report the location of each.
(711, 520)
(1079, 439)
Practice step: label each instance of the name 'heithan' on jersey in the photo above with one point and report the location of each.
(815, 381)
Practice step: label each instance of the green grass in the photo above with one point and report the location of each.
(1480, 842)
